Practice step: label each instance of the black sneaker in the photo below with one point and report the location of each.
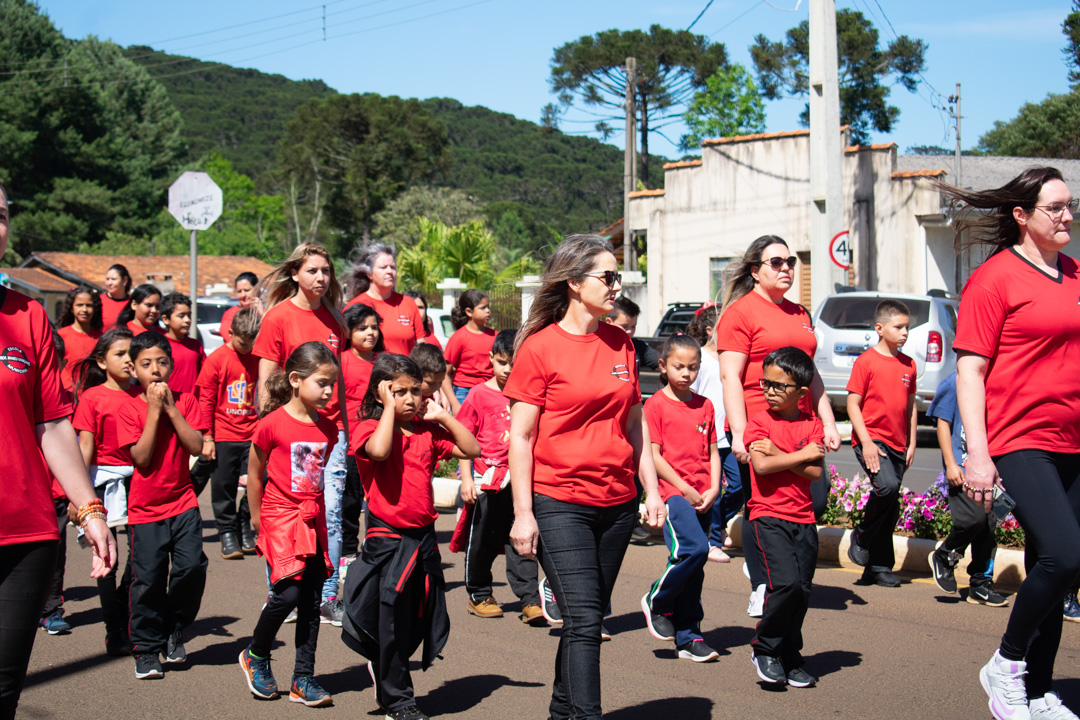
(769, 669)
(406, 713)
(640, 534)
(797, 677)
(943, 570)
(698, 651)
(856, 553)
(884, 579)
(548, 606)
(986, 595)
(148, 667)
(331, 612)
(230, 547)
(659, 626)
(174, 648)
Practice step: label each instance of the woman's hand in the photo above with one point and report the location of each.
(104, 546)
(524, 535)
(980, 476)
(738, 449)
(655, 512)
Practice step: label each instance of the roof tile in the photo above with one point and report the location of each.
(43, 281)
(902, 174)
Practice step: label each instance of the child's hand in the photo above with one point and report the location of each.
(814, 452)
(692, 496)
(167, 403)
(765, 447)
(386, 395)
(434, 412)
(871, 455)
(73, 514)
(910, 458)
(155, 396)
(209, 450)
(707, 499)
(954, 474)
(468, 489)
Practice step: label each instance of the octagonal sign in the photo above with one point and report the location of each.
(195, 201)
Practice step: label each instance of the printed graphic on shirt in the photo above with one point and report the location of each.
(620, 371)
(239, 394)
(404, 320)
(14, 359)
(808, 328)
(308, 459)
(907, 380)
(333, 341)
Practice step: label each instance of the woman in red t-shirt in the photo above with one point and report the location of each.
(38, 439)
(117, 290)
(373, 280)
(244, 285)
(468, 351)
(1019, 397)
(577, 436)
(141, 313)
(80, 325)
(755, 320)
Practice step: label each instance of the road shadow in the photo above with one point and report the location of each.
(725, 639)
(832, 661)
(463, 694)
(688, 707)
(948, 599)
(56, 672)
(84, 618)
(618, 624)
(829, 597)
(352, 679)
(220, 653)
(80, 592)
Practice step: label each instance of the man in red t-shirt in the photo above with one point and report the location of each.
(881, 405)
(162, 430)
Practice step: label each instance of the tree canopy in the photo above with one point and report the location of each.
(730, 104)
(1071, 28)
(866, 71)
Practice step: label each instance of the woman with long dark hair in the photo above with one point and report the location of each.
(1017, 345)
(141, 313)
(117, 291)
(577, 436)
(373, 282)
(80, 325)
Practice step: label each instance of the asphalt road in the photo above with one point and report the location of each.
(911, 652)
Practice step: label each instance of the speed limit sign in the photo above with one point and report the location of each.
(840, 250)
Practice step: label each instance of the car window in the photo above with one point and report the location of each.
(676, 321)
(950, 316)
(211, 313)
(857, 313)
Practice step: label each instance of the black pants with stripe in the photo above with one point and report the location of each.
(788, 558)
(875, 532)
(489, 533)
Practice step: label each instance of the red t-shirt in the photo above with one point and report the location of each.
(286, 327)
(486, 414)
(685, 433)
(77, 346)
(585, 386)
(30, 386)
(1028, 325)
(756, 326)
(470, 354)
(111, 309)
(398, 490)
(97, 413)
(296, 452)
(137, 328)
(885, 383)
(188, 357)
(162, 489)
(430, 339)
(401, 324)
(224, 329)
(782, 494)
(227, 395)
(357, 372)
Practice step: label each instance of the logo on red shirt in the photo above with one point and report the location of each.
(907, 380)
(403, 319)
(622, 372)
(333, 341)
(14, 359)
(238, 393)
(809, 328)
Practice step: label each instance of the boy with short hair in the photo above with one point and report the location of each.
(786, 447)
(188, 355)
(227, 400)
(162, 430)
(484, 526)
(881, 405)
(432, 367)
(625, 316)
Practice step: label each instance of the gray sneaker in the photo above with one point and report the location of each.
(331, 612)
(769, 669)
(660, 626)
(174, 648)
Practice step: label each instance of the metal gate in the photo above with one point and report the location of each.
(505, 307)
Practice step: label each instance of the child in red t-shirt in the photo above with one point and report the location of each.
(483, 529)
(226, 388)
(881, 405)
(80, 326)
(187, 354)
(365, 340)
(432, 366)
(786, 447)
(103, 379)
(142, 311)
(682, 429)
(292, 445)
(395, 591)
(161, 430)
(468, 351)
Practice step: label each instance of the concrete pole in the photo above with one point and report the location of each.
(826, 153)
(629, 165)
(194, 285)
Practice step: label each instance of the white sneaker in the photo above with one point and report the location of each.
(757, 602)
(746, 570)
(1003, 681)
(1049, 707)
(717, 554)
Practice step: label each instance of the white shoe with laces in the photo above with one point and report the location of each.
(1049, 707)
(1003, 681)
(757, 602)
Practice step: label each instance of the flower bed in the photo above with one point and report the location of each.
(923, 515)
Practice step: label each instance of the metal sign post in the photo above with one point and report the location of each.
(195, 200)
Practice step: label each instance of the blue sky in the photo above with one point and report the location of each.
(496, 53)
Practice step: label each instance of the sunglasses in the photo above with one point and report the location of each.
(777, 387)
(608, 277)
(776, 263)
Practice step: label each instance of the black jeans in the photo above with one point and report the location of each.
(489, 533)
(231, 463)
(55, 599)
(114, 600)
(971, 525)
(25, 570)
(789, 556)
(1046, 488)
(352, 506)
(581, 549)
(875, 532)
(305, 594)
(165, 596)
(200, 474)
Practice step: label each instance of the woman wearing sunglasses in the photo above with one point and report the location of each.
(1018, 390)
(576, 439)
(755, 320)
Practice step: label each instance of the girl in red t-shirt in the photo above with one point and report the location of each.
(292, 445)
(103, 379)
(468, 351)
(142, 313)
(682, 428)
(80, 325)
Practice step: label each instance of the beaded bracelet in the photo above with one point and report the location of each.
(92, 515)
(93, 506)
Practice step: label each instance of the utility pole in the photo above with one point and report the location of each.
(826, 154)
(955, 113)
(629, 165)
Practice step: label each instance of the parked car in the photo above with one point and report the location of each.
(676, 319)
(844, 325)
(210, 310)
(440, 323)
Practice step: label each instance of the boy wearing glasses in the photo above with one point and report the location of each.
(881, 405)
(786, 447)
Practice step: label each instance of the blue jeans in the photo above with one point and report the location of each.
(333, 487)
(461, 393)
(678, 591)
(731, 501)
(581, 549)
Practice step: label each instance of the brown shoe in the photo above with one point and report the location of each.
(531, 614)
(487, 608)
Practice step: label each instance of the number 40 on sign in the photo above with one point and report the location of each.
(840, 250)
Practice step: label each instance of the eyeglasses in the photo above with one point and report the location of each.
(1055, 210)
(777, 387)
(608, 277)
(776, 263)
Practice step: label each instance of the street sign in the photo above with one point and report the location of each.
(840, 250)
(195, 201)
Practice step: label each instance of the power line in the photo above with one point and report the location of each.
(707, 6)
(753, 6)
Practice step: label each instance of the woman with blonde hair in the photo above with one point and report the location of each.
(303, 300)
